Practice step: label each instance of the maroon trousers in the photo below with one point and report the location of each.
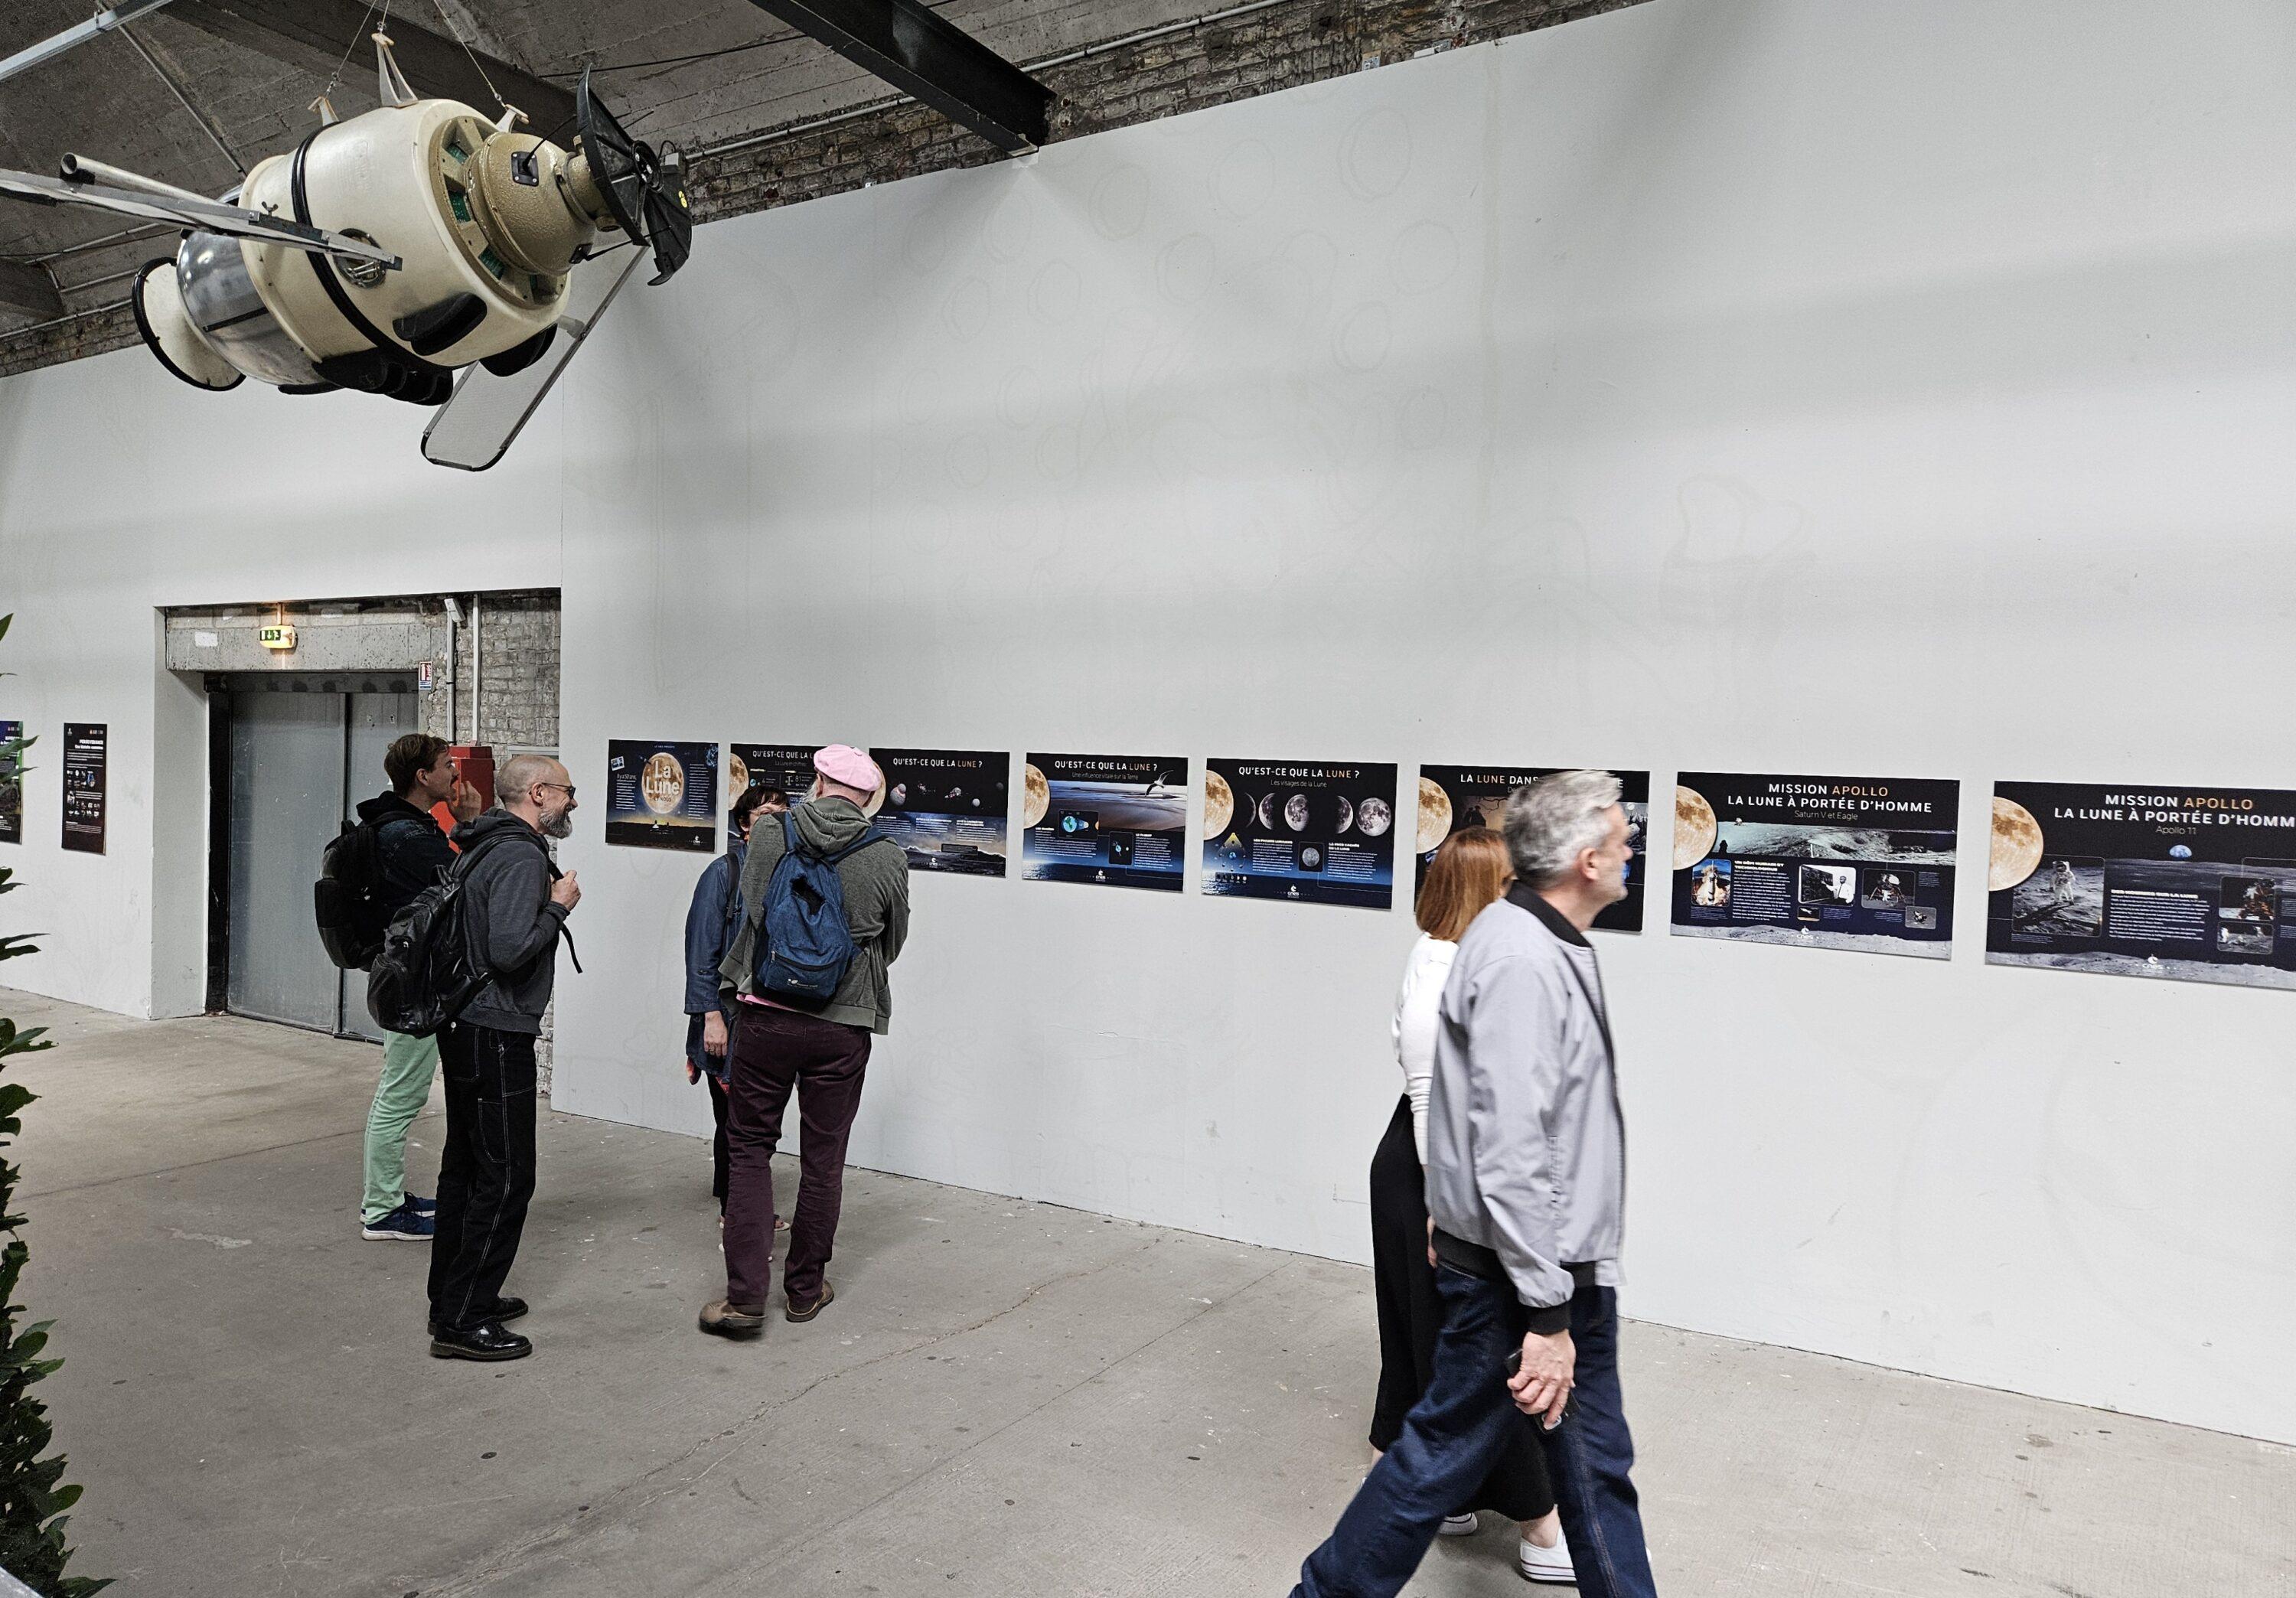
(774, 1052)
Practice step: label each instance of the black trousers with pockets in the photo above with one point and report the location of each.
(486, 1173)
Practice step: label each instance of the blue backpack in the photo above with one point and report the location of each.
(805, 947)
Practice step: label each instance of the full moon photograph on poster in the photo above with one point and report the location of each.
(661, 795)
(1320, 833)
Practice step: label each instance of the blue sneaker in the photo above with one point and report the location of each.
(402, 1224)
(421, 1205)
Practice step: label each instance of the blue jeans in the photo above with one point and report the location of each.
(1459, 1427)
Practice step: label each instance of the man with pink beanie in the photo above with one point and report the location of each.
(819, 1051)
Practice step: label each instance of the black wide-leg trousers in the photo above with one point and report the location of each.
(486, 1172)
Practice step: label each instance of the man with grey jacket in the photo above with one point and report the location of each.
(1526, 1183)
(820, 1052)
(516, 903)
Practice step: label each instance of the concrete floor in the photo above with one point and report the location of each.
(1007, 1399)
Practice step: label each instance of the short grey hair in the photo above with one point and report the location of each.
(518, 775)
(1550, 821)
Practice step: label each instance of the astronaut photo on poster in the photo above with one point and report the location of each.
(1452, 798)
(2144, 880)
(661, 795)
(946, 808)
(1317, 832)
(1113, 821)
(1841, 863)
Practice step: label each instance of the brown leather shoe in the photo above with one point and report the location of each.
(722, 1319)
(806, 1312)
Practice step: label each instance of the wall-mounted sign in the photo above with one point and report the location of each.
(1319, 831)
(12, 783)
(1842, 863)
(946, 808)
(2144, 880)
(1452, 798)
(661, 795)
(85, 766)
(281, 637)
(1119, 821)
(786, 766)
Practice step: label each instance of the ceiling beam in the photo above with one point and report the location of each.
(919, 53)
(314, 34)
(28, 293)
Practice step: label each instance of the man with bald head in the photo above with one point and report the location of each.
(515, 903)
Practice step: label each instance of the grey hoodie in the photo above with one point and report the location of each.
(513, 922)
(876, 884)
(1526, 1145)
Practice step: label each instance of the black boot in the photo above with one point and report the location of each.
(487, 1340)
(503, 1309)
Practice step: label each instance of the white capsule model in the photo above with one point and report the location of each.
(389, 250)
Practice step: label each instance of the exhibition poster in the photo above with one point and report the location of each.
(1452, 798)
(2144, 881)
(84, 785)
(1841, 863)
(1315, 831)
(1115, 820)
(12, 783)
(946, 808)
(788, 766)
(661, 795)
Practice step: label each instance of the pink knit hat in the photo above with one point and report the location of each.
(843, 764)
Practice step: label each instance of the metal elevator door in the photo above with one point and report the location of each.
(301, 762)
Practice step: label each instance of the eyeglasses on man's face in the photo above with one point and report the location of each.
(565, 788)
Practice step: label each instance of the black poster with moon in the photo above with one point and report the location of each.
(87, 760)
(1837, 863)
(786, 766)
(661, 795)
(1322, 832)
(2144, 880)
(12, 781)
(1117, 821)
(1452, 798)
(946, 808)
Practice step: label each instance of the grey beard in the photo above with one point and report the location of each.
(560, 825)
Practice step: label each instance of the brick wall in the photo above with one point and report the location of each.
(1280, 47)
(518, 690)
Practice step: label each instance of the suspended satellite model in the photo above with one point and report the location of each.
(391, 251)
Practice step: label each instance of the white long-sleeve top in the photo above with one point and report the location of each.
(1415, 1019)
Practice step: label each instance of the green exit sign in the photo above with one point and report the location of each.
(278, 638)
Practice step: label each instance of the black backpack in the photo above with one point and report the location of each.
(346, 898)
(426, 973)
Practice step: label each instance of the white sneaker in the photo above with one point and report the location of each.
(1458, 1525)
(1546, 1565)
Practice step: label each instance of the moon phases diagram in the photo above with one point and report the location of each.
(1458, 798)
(2144, 880)
(1111, 821)
(1316, 832)
(946, 808)
(1836, 862)
(661, 795)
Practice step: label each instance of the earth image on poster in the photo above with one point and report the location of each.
(1036, 796)
(1220, 802)
(2017, 845)
(1434, 813)
(1373, 817)
(1693, 828)
(663, 783)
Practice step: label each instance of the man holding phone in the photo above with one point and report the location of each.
(1526, 1187)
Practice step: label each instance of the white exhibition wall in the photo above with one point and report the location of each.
(1787, 386)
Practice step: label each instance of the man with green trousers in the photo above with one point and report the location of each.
(413, 854)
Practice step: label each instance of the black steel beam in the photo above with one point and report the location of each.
(314, 34)
(911, 47)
